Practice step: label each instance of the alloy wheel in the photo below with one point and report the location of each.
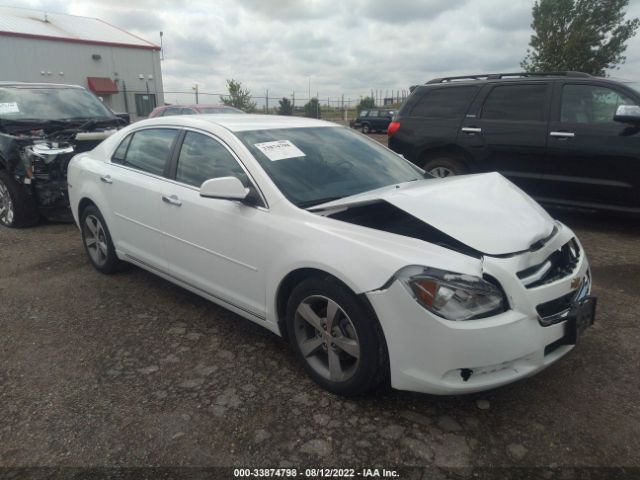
(6, 205)
(95, 240)
(441, 172)
(327, 338)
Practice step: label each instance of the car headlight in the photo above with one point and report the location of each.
(453, 296)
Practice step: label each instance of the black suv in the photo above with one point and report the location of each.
(42, 126)
(375, 119)
(566, 138)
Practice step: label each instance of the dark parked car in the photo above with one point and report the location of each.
(566, 138)
(375, 119)
(42, 126)
(195, 109)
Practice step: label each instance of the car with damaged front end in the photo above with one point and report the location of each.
(42, 126)
(374, 270)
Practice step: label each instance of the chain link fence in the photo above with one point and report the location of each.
(341, 109)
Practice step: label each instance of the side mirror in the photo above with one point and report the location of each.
(229, 188)
(627, 114)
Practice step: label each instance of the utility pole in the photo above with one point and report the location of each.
(267, 101)
(309, 88)
(195, 88)
(293, 102)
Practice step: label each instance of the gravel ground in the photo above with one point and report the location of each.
(131, 370)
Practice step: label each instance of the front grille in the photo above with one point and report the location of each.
(558, 265)
(557, 310)
(552, 311)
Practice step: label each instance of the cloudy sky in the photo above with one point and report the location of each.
(347, 47)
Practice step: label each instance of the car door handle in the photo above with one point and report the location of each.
(562, 134)
(471, 130)
(106, 179)
(173, 200)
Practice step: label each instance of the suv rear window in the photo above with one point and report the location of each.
(444, 102)
(516, 102)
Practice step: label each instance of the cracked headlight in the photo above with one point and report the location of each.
(451, 295)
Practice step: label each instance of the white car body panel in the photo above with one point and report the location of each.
(238, 255)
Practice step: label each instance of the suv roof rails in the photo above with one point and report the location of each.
(497, 76)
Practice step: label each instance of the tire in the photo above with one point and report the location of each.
(17, 208)
(366, 128)
(349, 359)
(97, 241)
(445, 167)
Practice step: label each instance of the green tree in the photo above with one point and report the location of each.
(312, 108)
(366, 103)
(238, 97)
(286, 108)
(582, 35)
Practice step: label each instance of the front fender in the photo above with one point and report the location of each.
(364, 259)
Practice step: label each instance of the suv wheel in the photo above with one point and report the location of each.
(338, 340)
(444, 167)
(17, 208)
(366, 128)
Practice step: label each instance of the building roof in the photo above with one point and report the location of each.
(23, 22)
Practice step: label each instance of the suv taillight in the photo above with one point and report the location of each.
(393, 128)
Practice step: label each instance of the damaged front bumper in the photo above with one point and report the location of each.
(40, 167)
(432, 355)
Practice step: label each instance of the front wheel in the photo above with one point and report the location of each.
(366, 128)
(17, 207)
(338, 340)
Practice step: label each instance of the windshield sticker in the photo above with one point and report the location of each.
(279, 150)
(10, 107)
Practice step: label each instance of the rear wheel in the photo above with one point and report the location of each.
(445, 167)
(17, 207)
(97, 241)
(338, 340)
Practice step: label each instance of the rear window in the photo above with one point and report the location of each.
(516, 102)
(146, 150)
(445, 102)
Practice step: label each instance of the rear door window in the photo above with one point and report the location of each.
(516, 103)
(448, 102)
(146, 150)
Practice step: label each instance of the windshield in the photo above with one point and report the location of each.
(316, 165)
(50, 104)
(219, 110)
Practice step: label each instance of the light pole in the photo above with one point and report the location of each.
(195, 88)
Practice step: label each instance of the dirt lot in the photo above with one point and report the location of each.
(131, 370)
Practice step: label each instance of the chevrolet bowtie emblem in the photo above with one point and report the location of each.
(575, 283)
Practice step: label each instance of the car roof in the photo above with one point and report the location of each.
(237, 123)
(199, 105)
(38, 85)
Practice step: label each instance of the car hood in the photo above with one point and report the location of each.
(484, 211)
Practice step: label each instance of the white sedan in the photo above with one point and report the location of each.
(373, 270)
